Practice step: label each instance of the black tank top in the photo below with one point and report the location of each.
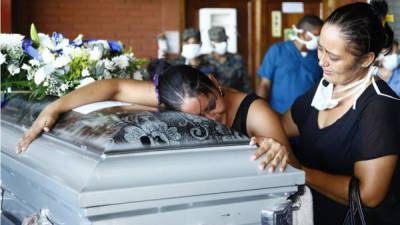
(239, 123)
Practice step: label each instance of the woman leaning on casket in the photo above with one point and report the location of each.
(348, 124)
(183, 88)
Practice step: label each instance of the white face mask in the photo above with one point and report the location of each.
(391, 62)
(191, 51)
(220, 47)
(323, 96)
(311, 44)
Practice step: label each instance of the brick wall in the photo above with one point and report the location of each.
(134, 22)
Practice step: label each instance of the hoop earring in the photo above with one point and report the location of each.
(221, 92)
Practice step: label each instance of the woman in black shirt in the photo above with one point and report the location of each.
(349, 123)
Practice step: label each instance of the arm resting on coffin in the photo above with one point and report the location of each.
(124, 90)
(270, 137)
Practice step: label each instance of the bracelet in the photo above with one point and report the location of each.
(155, 82)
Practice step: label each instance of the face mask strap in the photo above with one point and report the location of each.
(295, 29)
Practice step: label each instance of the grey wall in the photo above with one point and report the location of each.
(394, 8)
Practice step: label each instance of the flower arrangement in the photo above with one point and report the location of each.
(12, 57)
(55, 65)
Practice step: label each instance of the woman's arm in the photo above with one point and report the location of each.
(289, 125)
(263, 124)
(375, 176)
(125, 90)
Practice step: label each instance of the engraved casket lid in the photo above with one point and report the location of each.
(132, 128)
(126, 155)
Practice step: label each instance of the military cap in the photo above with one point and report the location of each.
(191, 32)
(217, 33)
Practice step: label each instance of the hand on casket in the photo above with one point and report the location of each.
(45, 121)
(275, 153)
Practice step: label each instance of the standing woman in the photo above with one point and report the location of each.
(348, 124)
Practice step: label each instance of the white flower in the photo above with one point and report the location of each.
(40, 75)
(107, 74)
(11, 46)
(13, 69)
(34, 62)
(103, 43)
(85, 81)
(2, 58)
(61, 61)
(26, 67)
(46, 42)
(64, 87)
(77, 52)
(95, 54)
(46, 84)
(51, 43)
(67, 51)
(85, 73)
(138, 75)
(109, 65)
(47, 56)
(9, 41)
(122, 61)
(78, 40)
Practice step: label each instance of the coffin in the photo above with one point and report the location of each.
(136, 165)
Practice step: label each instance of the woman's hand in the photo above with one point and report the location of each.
(275, 153)
(45, 121)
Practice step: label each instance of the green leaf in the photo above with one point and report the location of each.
(34, 36)
(122, 47)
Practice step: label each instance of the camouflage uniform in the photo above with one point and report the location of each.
(204, 66)
(232, 72)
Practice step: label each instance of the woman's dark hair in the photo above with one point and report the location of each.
(361, 24)
(175, 83)
(157, 66)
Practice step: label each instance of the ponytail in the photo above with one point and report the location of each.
(361, 24)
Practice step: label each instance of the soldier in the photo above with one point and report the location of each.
(191, 52)
(230, 68)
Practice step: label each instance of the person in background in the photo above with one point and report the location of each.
(348, 123)
(290, 68)
(389, 69)
(162, 46)
(230, 68)
(191, 52)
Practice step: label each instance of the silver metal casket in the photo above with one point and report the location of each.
(135, 165)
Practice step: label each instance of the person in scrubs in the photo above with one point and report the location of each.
(291, 67)
(389, 69)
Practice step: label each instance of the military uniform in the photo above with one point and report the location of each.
(204, 66)
(232, 72)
